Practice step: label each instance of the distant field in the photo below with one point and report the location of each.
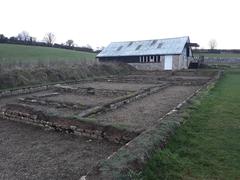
(11, 54)
(211, 55)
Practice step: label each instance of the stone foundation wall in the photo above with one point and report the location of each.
(32, 89)
(28, 115)
(92, 91)
(135, 154)
(26, 90)
(122, 101)
(55, 104)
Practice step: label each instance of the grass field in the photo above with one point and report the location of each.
(12, 54)
(30, 65)
(207, 145)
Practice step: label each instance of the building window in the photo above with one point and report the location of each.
(188, 51)
(153, 42)
(160, 45)
(119, 48)
(138, 47)
(130, 43)
(152, 58)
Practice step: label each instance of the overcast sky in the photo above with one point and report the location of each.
(99, 22)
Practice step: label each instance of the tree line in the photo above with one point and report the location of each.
(23, 38)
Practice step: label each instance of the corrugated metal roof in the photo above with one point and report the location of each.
(146, 47)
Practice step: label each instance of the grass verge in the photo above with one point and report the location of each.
(207, 145)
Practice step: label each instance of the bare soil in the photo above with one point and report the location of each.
(146, 112)
(29, 152)
(82, 99)
(113, 86)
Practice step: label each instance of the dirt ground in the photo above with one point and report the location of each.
(118, 86)
(82, 99)
(147, 111)
(29, 152)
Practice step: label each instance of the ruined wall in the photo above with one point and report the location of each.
(134, 155)
(26, 114)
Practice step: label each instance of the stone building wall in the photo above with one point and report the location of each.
(149, 66)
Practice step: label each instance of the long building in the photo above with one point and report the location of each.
(157, 54)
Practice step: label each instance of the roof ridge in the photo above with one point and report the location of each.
(150, 39)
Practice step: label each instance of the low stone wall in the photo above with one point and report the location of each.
(92, 91)
(25, 90)
(122, 101)
(55, 104)
(32, 89)
(26, 114)
(135, 153)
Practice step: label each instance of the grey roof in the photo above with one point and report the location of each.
(146, 47)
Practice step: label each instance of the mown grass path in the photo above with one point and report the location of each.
(207, 146)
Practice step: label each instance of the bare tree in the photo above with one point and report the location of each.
(212, 43)
(70, 43)
(49, 38)
(24, 36)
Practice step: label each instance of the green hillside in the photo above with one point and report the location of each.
(11, 54)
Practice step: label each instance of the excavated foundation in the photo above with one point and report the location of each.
(114, 109)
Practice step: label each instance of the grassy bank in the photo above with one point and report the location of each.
(22, 65)
(45, 74)
(207, 145)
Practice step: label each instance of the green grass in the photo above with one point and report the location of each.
(12, 54)
(212, 55)
(207, 146)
